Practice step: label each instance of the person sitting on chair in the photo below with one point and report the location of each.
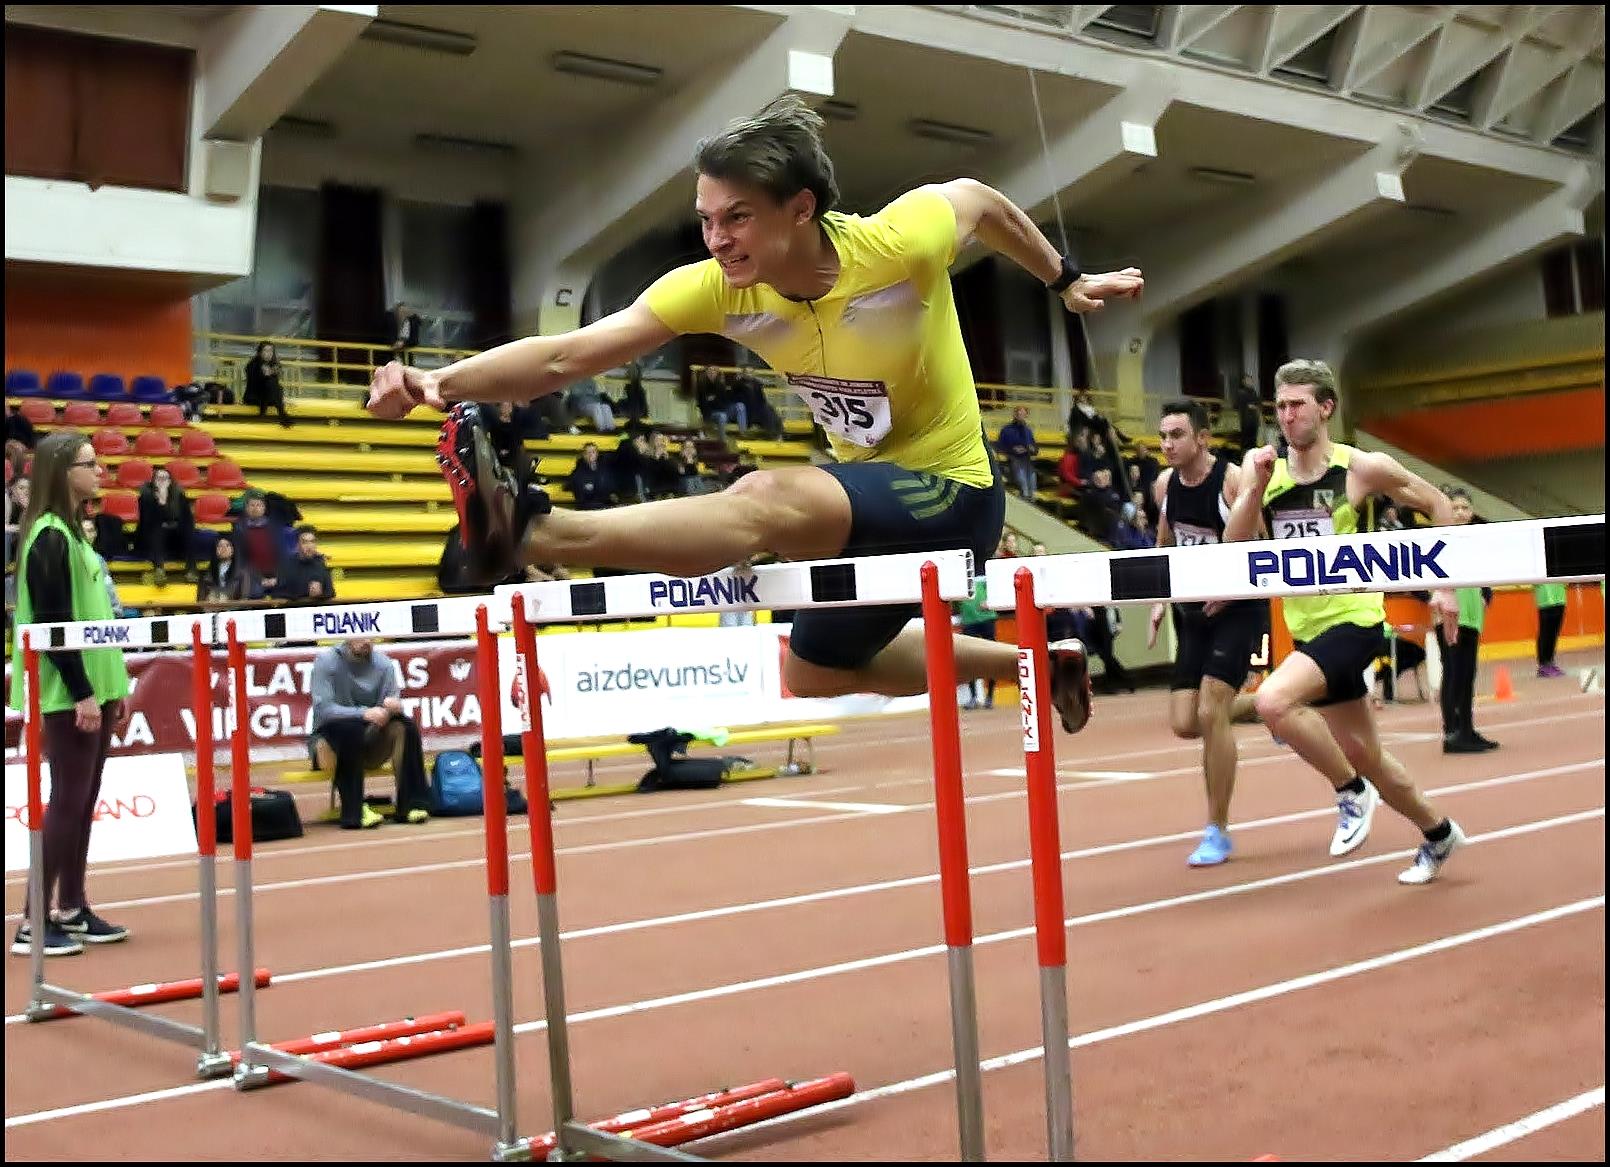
(359, 724)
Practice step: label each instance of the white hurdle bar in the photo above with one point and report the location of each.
(139, 632)
(826, 583)
(1424, 559)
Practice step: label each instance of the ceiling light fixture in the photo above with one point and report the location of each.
(306, 127)
(1430, 209)
(452, 142)
(839, 111)
(1223, 177)
(949, 132)
(606, 69)
(419, 36)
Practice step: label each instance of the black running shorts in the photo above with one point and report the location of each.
(1342, 654)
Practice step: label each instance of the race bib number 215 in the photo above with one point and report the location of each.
(856, 411)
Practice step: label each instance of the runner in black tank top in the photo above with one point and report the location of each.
(1214, 642)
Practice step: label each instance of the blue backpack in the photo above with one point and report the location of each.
(455, 787)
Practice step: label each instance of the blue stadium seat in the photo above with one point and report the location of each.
(63, 384)
(108, 387)
(22, 383)
(151, 389)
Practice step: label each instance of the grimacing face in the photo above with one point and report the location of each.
(745, 230)
(1302, 418)
(1463, 512)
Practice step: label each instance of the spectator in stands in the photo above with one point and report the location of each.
(691, 478)
(747, 393)
(628, 466)
(406, 337)
(305, 575)
(20, 430)
(746, 464)
(1100, 455)
(634, 398)
(504, 429)
(1387, 519)
(1011, 546)
(1249, 416)
(663, 475)
(1103, 505)
(228, 578)
(1082, 416)
(82, 692)
(717, 406)
(1017, 445)
(261, 540)
(263, 387)
(17, 495)
(110, 539)
(1133, 532)
(584, 400)
(359, 724)
(1070, 482)
(589, 481)
(166, 530)
(119, 609)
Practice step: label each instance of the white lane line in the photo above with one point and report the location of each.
(1190, 1013)
(1519, 1129)
(851, 807)
(1156, 1021)
(1113, 775)
(1246, 741)
(627, 844)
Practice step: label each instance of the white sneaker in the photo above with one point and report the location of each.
(1428, 860)
(1354, 813)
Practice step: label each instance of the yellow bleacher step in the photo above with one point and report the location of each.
(360, 589)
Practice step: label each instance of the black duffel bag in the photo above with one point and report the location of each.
(274, 816)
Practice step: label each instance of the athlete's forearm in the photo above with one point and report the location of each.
(1243, 521)
(521, 370)
(1006, 230)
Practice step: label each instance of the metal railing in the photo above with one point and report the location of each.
(309, 368)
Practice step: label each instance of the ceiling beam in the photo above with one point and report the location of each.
(1534, 67)
(1296, 26)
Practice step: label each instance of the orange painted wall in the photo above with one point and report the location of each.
(91, 325)
(1532, 423)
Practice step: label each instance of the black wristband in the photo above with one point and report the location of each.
(1069, 274)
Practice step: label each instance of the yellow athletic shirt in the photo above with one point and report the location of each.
(879, 359)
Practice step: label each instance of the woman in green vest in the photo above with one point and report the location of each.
(1459, 734)
(1550, 616)
(81, 691)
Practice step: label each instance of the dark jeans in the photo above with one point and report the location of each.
(1459, 681)
(169, 543)
(1096, 633)
(76, 761)
(357, 745)
(1549, 621)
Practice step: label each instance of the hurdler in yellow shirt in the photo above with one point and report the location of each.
(879, 360)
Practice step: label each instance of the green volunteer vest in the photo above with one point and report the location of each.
(1549, 595)
(1472, 611)
(1293, 509)
(973, 611)
(104, 666)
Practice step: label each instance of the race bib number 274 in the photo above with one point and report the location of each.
(856, 411)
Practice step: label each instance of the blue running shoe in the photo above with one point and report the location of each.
(1214, 848)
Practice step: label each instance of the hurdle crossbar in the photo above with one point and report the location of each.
(827, 583)
(120, 1006)
(1424, 559)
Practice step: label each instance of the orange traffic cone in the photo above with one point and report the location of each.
(1503, 687)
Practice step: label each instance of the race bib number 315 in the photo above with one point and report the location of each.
(857, 411)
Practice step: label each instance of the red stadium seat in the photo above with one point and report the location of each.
(133, 473)
(225, 475)
(197, 444)
(166, 415)
(39, 412)
(10, 473)
(123, 413)
(109, 443)
(153, 444)
(212, 508)
(122, 505)
(81, 414)
(185, 472)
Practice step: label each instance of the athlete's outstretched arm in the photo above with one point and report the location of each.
(1246, 513)
(1380, 473)
(1001, 225)
(521, 370)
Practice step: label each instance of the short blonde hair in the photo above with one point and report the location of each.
(1306, 372)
